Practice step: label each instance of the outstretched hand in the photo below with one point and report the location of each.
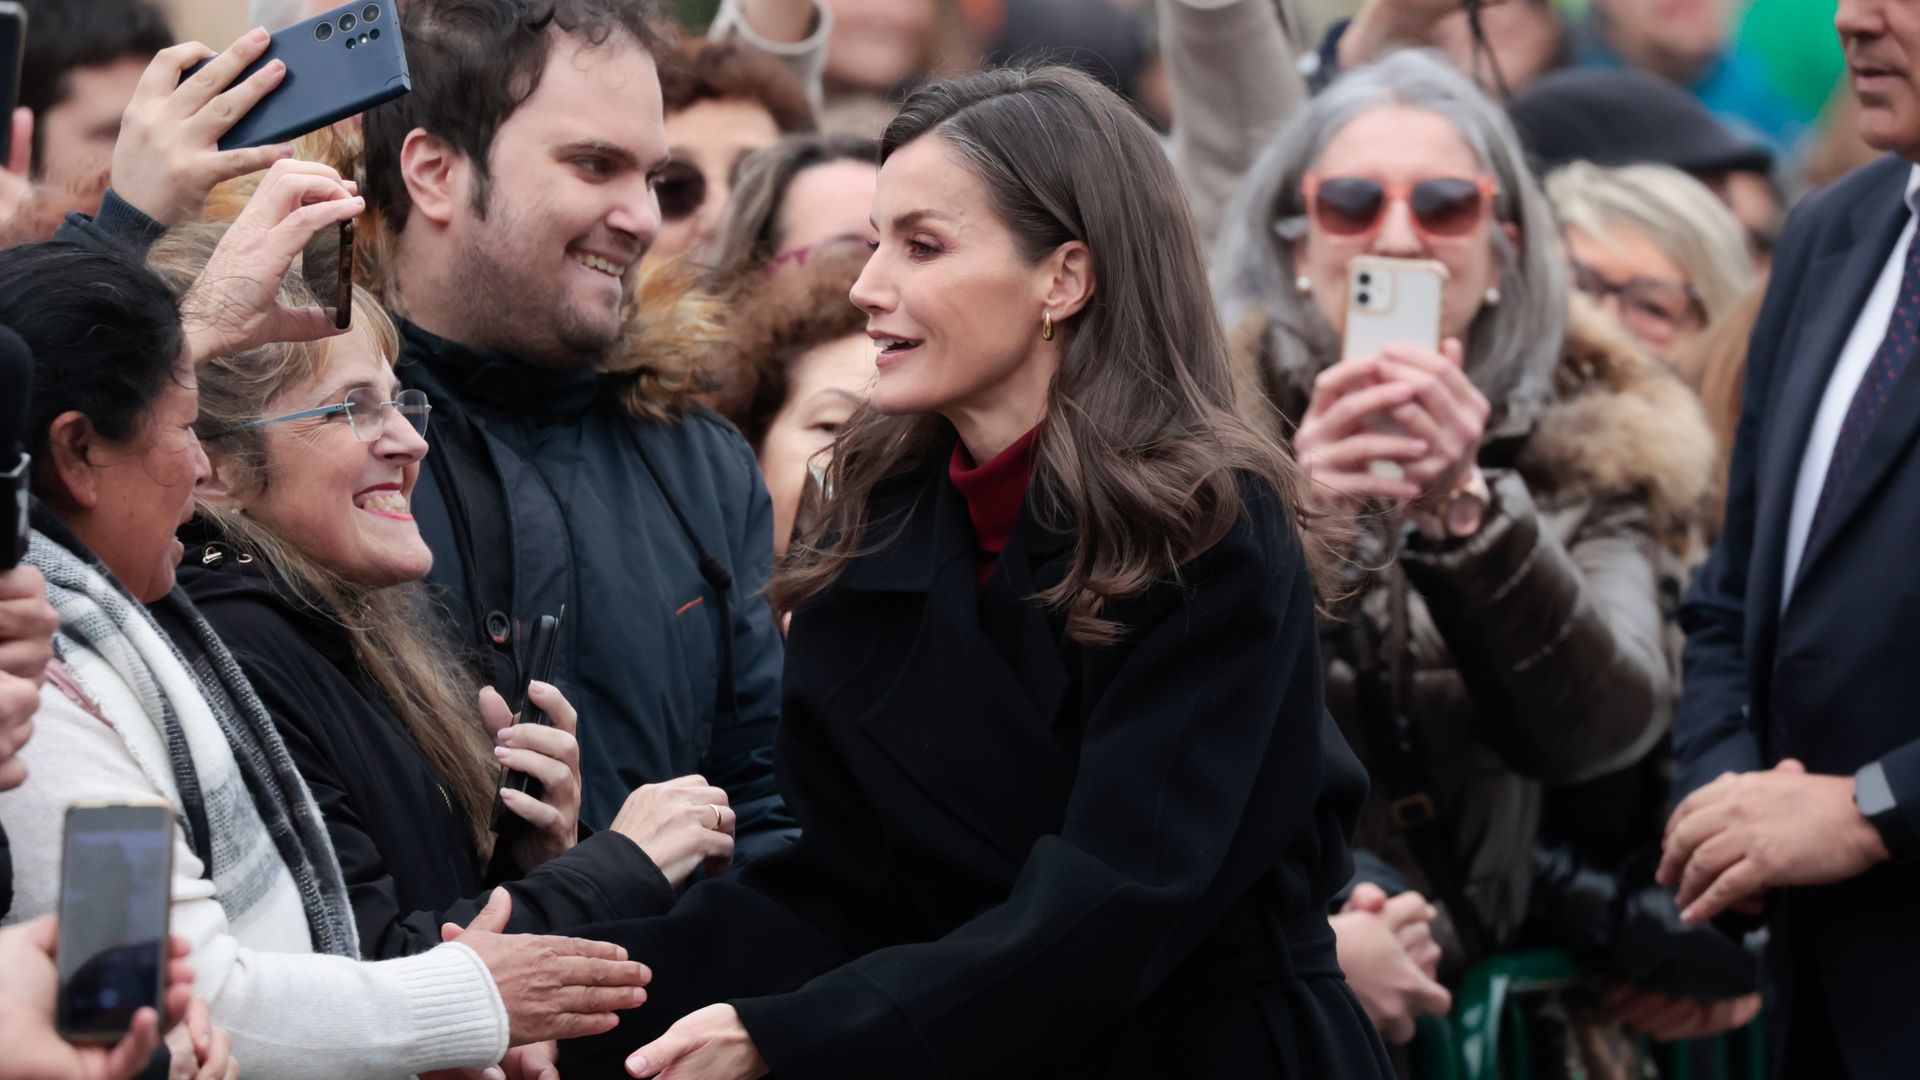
(708, 1044)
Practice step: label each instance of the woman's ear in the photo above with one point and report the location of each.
(224, 487)
(432, 170)
(66, 474)
(1072, 283)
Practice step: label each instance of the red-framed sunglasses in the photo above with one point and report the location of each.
(1444, 206)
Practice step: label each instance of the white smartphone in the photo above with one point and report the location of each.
(1392, 302)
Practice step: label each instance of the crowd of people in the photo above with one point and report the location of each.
(1006, 627)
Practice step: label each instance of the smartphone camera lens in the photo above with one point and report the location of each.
(348, 22)
(323, 32)
(350, 43)
(1363, 298)
(1366, 279)
(370, 13)
(374, 34)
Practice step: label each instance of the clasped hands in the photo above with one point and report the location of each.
(1745, 834)
(1409, 406)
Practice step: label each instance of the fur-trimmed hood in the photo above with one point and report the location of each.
(1618, 423)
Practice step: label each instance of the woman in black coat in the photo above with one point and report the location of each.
(307, 565)
(1070, 802)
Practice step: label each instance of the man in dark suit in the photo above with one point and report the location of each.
(1798, 738)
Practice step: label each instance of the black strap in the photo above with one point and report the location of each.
(713, 570)
(1407, 768)
(476, 500)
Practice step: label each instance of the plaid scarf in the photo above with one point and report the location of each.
(245, 809)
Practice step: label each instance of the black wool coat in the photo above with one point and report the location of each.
(409, 859)
(1021, 857)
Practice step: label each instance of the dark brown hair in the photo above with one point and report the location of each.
(752, 232)
(702, 70)
(780, 313)
(474, 63)
(1142, 453)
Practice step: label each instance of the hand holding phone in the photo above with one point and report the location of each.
(541, 649)
(28, 994)
(168, 158)
(1392, 302)
(327, 267)
(236, 302)
(116, 881)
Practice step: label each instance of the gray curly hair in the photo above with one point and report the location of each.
(1512, 347)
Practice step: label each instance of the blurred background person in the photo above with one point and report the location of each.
(798, 193)
(1653, 247)
(723, 101)
(1552, 472)
(799, 366)
(1612, 117)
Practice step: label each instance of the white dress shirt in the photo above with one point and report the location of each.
(1855, 357)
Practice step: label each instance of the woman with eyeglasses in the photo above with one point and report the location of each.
(1523, 499)
(1654, 247)
(308, 563)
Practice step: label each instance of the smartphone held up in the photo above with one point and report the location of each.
(1392, 302)
(116, 877)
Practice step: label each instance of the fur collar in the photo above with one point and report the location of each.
(1619, 423)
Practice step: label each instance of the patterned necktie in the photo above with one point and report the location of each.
(1876, 386)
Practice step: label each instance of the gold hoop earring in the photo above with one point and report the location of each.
(1046, 326)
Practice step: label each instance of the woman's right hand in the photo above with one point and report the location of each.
(1380, 947)
(200, 1050)
(552, 987)
(1336, 447)
(680, 824)
(235, 303)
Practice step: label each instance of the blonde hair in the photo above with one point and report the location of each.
(1679, 214)
(390, 629)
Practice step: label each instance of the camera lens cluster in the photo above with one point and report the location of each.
(347, 23)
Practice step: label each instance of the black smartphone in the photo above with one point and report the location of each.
(339, 64)
(13, 51)
(541, 648)
(327, 266)
(116, 877)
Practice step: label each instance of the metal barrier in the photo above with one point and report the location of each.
(1486, 1036)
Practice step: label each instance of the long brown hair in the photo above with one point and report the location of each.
(390, 629)
(1140, 452)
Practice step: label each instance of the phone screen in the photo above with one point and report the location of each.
(327, 267)
(114, 893)
(13, 44)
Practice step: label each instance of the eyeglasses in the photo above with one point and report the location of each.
(366, 413)
(1442, 206)
(681, 188)
(1654, 309)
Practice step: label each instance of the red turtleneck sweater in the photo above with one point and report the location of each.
(994, 494)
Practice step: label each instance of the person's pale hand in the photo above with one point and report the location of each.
(707, 1044)
(1746, 834)
(168, 158)
(1381, 26)
(1445, 411)
(34, 1049)
(235, 304)
(552, 987)
(1336, 446)
(1411, 917)
(550, 755)
(1668, 1018)
(27, 624)
(201, 1050)
(681, 824)
(1389, 981)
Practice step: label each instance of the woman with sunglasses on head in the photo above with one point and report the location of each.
(308, 564)
(1524, 499)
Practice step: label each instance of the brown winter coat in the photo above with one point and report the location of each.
(1541, 650)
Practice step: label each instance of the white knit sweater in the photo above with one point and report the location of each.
(293, 1014)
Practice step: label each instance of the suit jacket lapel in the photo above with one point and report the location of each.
(1837, 284)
